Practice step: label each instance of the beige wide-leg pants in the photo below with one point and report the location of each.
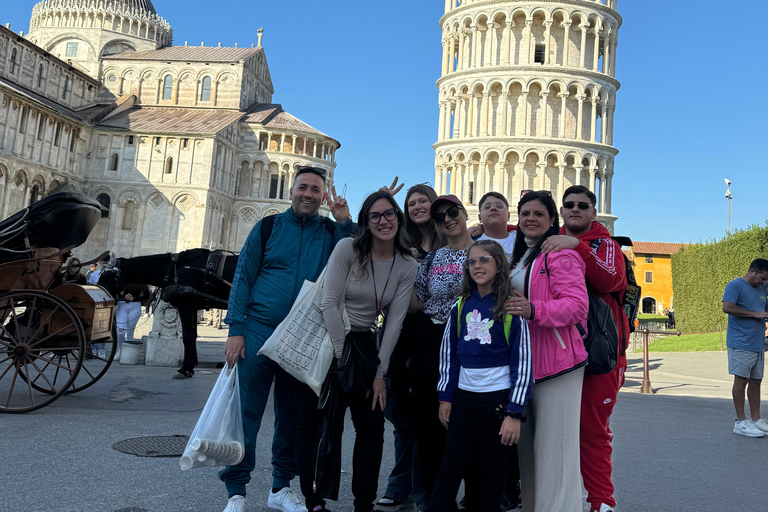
(549, 446)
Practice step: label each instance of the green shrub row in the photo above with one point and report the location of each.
(701, 271)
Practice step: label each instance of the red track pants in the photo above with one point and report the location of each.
(598, 397)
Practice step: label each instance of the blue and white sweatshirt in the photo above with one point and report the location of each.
(480, 345)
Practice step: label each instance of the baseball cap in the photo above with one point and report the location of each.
(450, 198)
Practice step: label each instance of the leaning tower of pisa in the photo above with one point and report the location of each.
(527, 96)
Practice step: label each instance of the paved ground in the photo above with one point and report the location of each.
(674, 450)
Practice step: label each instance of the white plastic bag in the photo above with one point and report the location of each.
(218, 438)
(301, 344)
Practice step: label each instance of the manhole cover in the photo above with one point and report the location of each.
(153, 446)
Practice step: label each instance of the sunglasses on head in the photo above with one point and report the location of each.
(308, 168)
(451, 212)
(568, 205)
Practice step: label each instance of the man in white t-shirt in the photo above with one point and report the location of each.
(494, 216)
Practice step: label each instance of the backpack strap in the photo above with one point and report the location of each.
(507, 326)
(458, 315)
(267, 223)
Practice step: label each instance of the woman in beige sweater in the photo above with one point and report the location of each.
(372, 273)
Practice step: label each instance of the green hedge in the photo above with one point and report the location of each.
(701, 271)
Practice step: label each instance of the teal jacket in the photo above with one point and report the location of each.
(265, 286)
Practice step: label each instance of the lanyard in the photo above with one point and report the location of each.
(379, 301)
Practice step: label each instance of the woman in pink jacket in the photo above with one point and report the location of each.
(551, 294)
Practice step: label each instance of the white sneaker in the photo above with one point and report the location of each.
(745, 428)
(285, 500)
(236, 504)
(606, 508)
(760, 424)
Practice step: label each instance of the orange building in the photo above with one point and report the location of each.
(653, 271)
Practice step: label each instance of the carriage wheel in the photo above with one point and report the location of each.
(95, 364)
(42, 347)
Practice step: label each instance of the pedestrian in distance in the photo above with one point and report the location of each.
(267, 280)
(605, 273)
(485, 379)
(366, 276)
(550, 292)
(744, 301)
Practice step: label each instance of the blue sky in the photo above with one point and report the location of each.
(691, 111)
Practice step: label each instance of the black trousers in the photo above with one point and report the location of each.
(430, 433)
(474, 427)
(367, 452)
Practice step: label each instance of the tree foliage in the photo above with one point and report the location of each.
(701, 271)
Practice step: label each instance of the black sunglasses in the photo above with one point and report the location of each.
(314, 170)
(451, 212)
(568, 205)
(375, 217)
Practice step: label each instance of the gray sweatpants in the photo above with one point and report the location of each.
(549, 446)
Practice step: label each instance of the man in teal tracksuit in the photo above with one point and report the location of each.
(263, 291)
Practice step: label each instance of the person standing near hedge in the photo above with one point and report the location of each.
(744, 301)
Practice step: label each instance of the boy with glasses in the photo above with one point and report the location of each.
(606, 274)
(494, 216)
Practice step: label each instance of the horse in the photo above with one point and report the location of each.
(190, 281)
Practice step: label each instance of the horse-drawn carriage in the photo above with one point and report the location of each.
(52, 326)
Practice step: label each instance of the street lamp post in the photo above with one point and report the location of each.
(728, 196)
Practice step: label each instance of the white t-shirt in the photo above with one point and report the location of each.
(507, 243)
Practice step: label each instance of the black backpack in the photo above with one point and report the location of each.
(601, 337)
(630, 301)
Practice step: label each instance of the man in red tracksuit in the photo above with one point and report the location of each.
(606, 274)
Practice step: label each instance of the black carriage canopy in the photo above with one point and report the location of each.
(63, 219)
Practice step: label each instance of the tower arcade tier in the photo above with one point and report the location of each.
(527, 94)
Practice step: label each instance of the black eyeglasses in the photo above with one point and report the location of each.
(498, 206)
(482, 260)
(314, 170)
(568, 205)
(451, 212)
(375, 217)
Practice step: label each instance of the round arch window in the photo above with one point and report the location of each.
(105, 202)
(112, 79)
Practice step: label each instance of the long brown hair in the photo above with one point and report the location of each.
(501, 285)
(414, 234)
(364, 239)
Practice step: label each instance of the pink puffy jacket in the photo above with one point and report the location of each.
(560, 301)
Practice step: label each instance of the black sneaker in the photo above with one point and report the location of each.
(511, 502)
(387, 504)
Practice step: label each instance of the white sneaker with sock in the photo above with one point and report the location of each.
(606, 508)
(236, 504)
(746, 428)
(285, 500)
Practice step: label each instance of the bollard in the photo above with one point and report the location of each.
(130, 352)
(646, 388)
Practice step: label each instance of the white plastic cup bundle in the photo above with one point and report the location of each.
(210, 453)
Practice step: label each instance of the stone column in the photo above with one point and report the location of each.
(602, 189)
(471, 115)
(441, 122)
(293, 144)
(451, 52)
(443, 179)
(445, 56)
(593, 132)
(580, 117)
(527, 36)
(462, 47)
(560, 182)
(459, 177)
(520, 171)
(282, 143)
(448, 105)
(453, 180)
(563, 110)
(578, 169)
(592, 178)
(526, 125)
(614, 44)
(475, 47)
(547, 37)
(457, 117)
(484, 115)
(542, 169)
(544, 96)
(502, 119)
(603, 124)
(438, 179)
(583, 49)
(608, 191)
(609, 127)
(482, 178)
(566, 41)
(606, 53)
(507, 45)
(595, 66)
